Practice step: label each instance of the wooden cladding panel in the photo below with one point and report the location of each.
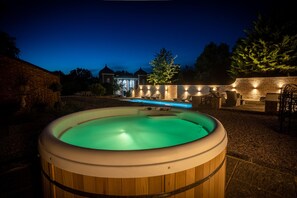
(211, 187)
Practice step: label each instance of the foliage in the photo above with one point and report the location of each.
(213, 64)
(55, 86)
(269, 49)
(164, 69)
(8, 46)
(97, 89)
(109, 88)
(117, 86)
(187, 75)
(77, 80)
(80, 74)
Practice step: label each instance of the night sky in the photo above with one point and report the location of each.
(125, 35)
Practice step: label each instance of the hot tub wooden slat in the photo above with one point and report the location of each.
(100, 184)
(114, 186)
(156, 184)
(128, 186)
(169, 182)
(212, 180)
(199, 176)
(78, 184)
(142, 186)
(222, 174)
(89, 183)
(180, 181)
(206, 185)
(190, 178)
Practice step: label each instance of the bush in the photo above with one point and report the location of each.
(97, 89)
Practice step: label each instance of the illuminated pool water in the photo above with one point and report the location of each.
(161, 103)
(134, 133)
(133, 152)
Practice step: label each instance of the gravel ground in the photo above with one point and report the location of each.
(255, 137)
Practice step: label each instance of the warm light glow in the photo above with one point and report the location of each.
(280, 84)
(186, 87)
(166, 88)
(255, 91)
(198, 88)
(234, 85)
(255, 83)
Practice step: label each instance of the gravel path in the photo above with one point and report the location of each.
(254, 137)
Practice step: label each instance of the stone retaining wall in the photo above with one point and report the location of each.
(249, 88)
(26, 84)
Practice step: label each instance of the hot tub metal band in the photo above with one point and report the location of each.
(166, 194)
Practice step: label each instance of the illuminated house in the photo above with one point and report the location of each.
(129, 82)
(126, 81)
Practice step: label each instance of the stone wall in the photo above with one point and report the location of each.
(255, 88)
(249, 88)
(26, 84)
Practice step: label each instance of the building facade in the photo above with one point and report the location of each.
(125, 81)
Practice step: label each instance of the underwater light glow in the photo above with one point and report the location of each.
(133, 133)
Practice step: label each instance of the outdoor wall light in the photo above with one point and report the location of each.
(280, 84)
(214, 88)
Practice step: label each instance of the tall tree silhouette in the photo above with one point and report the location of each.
(213, 64)
(8, 46)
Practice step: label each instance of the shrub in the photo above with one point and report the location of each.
(97, 89)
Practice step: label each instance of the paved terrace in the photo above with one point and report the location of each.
(260, 161)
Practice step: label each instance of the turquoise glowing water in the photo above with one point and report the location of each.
(163, 103)
(133, 133)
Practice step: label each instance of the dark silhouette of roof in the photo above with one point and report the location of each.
(140, 72)
(106, 70)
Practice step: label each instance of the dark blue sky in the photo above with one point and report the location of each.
(60, 35)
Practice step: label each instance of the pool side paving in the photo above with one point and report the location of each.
(260, 161)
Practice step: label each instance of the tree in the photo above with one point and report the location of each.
(8, 46)
(213, 64)
(97, 89)
(164, 69)
(77, 80)
(269, 49)
(80, 74)
(187, 75)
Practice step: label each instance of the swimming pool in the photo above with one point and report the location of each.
(161, 103)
